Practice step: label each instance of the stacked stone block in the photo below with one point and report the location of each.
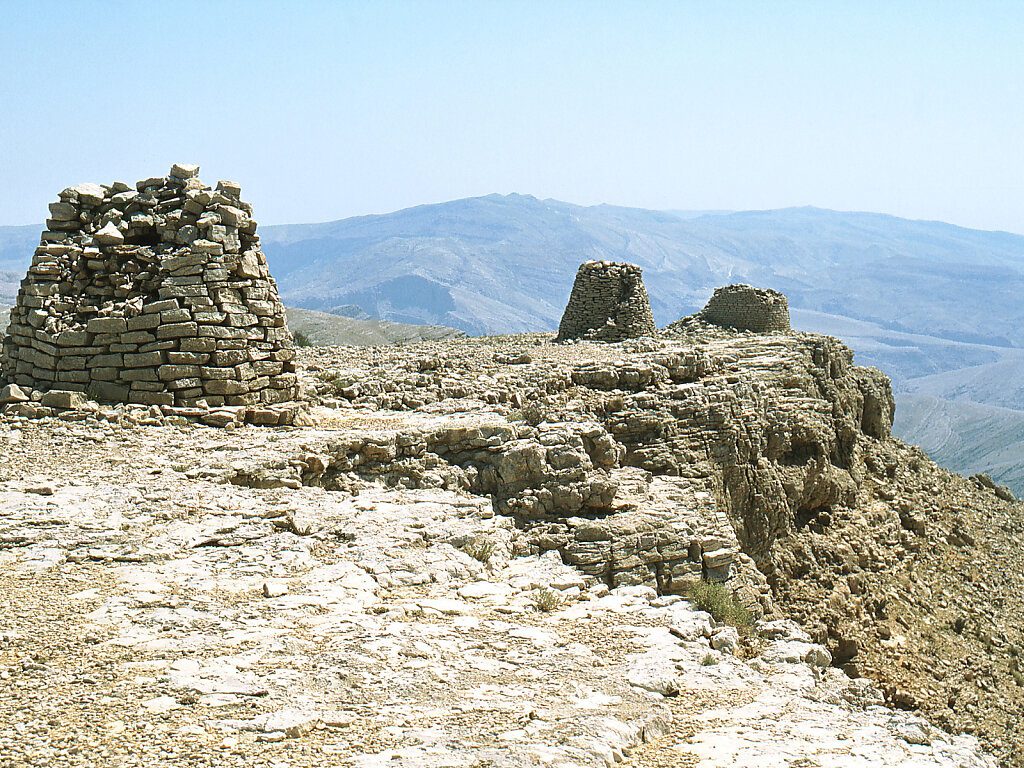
(157, 295)
(608, 303)
(746, 308)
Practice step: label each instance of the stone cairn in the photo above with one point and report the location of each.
(747, 308)
(158, 295)
(608, 303)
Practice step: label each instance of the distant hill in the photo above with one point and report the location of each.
(964, 436)
(498, 264)
(17, 245)
(323, 329)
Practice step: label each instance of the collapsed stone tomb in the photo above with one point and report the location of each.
(747, 308)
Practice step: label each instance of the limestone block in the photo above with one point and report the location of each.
(62, 211)
(225, 387)
(58, 398)
(184, 171)
(142, 322)
(107, 325)
(12, 393)
(109, 235)
(229, 188)
(108, 390)
(177, 330)
(89, 194)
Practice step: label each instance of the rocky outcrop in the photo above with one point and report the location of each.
(638, 470)
(608, 303)
(389, 628)
(768, 460)
(677, 465)
(157, 294)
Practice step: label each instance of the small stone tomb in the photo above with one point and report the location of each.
(747, 308)
(608, 303)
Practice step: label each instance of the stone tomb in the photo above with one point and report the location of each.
(608, 303)
(746, 308)
(157, 294)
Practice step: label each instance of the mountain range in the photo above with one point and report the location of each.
(936, 306)
(498, 264)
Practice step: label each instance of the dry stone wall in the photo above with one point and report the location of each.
(157, 294)
(748, 309)
(608, 303)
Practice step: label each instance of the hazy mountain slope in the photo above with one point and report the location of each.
(17, 245)
(907, 358)
(322, 329)
(999, 383)
(966, 437)
(506, 263)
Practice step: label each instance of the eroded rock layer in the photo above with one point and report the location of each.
(157, 295)
(830, 520)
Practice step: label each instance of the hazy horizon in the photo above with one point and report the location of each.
(324, 111)
(687, 213)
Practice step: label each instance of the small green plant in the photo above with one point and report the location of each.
(717, 600)
(533, 412)
(480, 548)
(302, 339)
(546, 599)
(708, 660)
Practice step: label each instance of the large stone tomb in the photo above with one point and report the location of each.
(157, 294)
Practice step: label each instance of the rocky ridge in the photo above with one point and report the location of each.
(426, 574)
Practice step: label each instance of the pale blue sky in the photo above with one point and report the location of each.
(323, 110)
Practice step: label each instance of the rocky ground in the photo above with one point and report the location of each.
(477, 555)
